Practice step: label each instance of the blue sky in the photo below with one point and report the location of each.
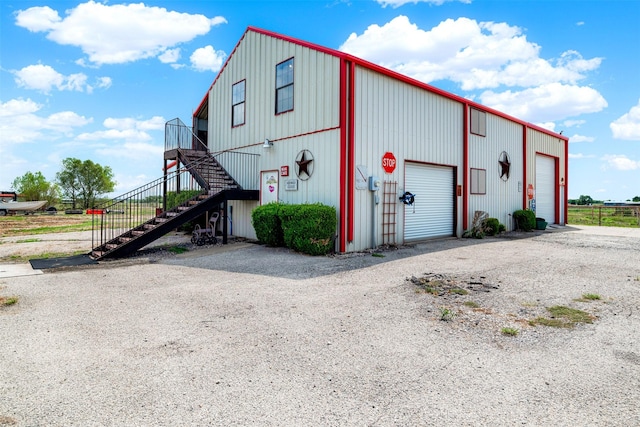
(98, 80)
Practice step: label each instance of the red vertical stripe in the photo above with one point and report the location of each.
(465, 167)
(343, 156)
(524, 167)
(351, 149)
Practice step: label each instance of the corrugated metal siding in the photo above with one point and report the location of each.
(502, 198)
(415, 125)
(316, 93)
(540, 143)
(545, 188)
(308, 126)
(431, 215)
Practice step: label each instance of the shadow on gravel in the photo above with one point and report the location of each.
(285, 263)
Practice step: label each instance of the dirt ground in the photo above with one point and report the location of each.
(244, 334)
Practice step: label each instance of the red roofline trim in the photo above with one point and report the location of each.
(379, 69)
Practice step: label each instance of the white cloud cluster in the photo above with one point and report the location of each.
(44, 78)
(581, 138)
(627, 127)
(207, 59)
(134, 132)
(620, 162)
(119, 33)
(397, 3)
(484, 56)
(20, 123)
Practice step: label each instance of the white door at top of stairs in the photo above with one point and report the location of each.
(432, 213)
(545, 188)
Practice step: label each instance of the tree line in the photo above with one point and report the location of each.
(585, 200)
(81, 182)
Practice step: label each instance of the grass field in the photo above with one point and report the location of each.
(607, 216)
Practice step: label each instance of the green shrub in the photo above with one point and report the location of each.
(492, 226)
(309, 228)
(525, 219)
(266, 221)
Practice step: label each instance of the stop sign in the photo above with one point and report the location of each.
(389, 162)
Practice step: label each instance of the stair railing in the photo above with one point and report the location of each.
(177, 135)
(138, 206)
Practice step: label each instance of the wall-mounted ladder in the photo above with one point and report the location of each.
(389, 205)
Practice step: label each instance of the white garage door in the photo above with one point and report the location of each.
(545, 188)
(432, 213)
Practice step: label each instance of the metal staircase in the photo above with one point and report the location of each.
(135, 219)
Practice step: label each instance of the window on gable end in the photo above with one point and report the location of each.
(284, 86)
(478, 122)
(238, 96)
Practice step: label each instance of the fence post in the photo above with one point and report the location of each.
(600, 215)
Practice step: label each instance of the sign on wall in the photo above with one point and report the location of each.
(268, 187)
(388, 162)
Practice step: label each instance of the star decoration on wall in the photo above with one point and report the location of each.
(304, 160)
(505, 165)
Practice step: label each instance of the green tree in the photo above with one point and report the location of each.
(636, 199)
(83, 182)
(585, 200)
(34, 186)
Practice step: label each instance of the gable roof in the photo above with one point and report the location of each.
(376, 68)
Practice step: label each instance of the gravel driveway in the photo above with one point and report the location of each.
(249, 335)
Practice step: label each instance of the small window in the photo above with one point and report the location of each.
(284, 86)
(478, 181)
(237, 103)
(478, 122)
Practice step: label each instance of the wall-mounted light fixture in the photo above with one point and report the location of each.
(267, 143)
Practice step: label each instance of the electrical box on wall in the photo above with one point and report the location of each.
(374, 183)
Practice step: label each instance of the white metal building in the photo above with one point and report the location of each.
(325, 122)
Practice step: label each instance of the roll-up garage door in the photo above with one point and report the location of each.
(432, 214)
(545, 188)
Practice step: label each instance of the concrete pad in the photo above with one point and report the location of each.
(16, 270)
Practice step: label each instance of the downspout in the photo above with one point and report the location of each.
(351, 147)
(343, 157)
(465, 167)
(524, 167)
(566, 181)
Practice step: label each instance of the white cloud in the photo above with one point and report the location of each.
(484, 55)
(397, 3)
(553, 101)
(128, 129)
(581, 156)
(620, 162)
(547, 125)
(169, 56)
(19, 122)
(572, 123)
(119, 33)
(44, 78)
(474, 54)
(628, 125)
(207, 59)
(581, 138)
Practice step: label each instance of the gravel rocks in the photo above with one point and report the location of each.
(249, 335)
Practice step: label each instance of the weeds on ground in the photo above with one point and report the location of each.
(458, 291)
(446, 314)
(377, 255)
(512, 332)
(7, 301)
(588, 297)
(177, 250)
(471, 304)
(563, 317)
(28, 240)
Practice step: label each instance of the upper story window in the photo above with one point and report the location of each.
(284, 86)
(478, 122)
(237, 103)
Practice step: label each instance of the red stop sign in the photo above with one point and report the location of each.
(389, 162)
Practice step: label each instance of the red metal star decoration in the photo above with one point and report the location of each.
(304, 164)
